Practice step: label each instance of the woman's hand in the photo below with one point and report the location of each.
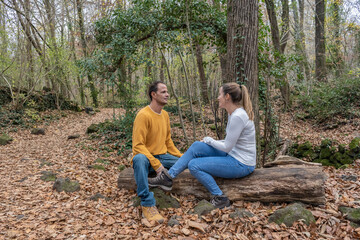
(207, 140)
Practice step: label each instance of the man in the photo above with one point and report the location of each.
(153, 148)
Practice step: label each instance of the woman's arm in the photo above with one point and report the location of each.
(234, 130)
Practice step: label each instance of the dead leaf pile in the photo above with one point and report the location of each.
(30, 209)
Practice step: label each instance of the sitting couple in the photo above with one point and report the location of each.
(153, 148)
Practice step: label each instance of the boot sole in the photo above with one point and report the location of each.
(158, 221)
(165, 188)
(228, 204)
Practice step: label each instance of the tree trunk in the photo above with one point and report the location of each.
(176, 97)
(190, 97)
(73, 51)
(84, 49)
(280, 44)
(242, 50)
(29, 55)
(283, 183)
(337, 51)
(302, 40)
(320, 58)
(203, 82)
(297, 38)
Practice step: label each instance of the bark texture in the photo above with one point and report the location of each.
(242, 50)
(282, 183)
(320, 67)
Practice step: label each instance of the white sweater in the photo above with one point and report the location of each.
(240, 140)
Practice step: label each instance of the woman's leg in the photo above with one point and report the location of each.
(205, 168)
(196, 150)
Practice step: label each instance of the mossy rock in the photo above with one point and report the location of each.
(241, 213)
(355, 145)
(342, 148)
(174, 221)
(304, 147)
(98, 196)
(212, 127)
(48, 176)
(351, 154)
(5, 139)
(352, 214)
(163, 200)
(325, 153)
(346, 159)
(202, 208)
(336, 157)
(310, 154)
(326, 143)
(64, 184)
(38, 131)
(92, 128)
(292, 213)
(317, 149)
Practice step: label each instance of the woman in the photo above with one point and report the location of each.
(233, 157)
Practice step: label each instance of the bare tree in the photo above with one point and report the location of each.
(280, 41)
(320, 58)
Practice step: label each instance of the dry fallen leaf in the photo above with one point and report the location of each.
(199, 226)
(109, 220)
(145, 222)
(185, 231)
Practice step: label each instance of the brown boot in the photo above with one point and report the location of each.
(152, 214)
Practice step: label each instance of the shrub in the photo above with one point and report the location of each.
(338, 98)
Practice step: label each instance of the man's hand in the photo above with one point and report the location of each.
(160, 169)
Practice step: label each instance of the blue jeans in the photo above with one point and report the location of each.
(204, 162)
(142, 168)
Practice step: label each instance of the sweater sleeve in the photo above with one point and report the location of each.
(140, 130)
(169, 142)
(236, 126)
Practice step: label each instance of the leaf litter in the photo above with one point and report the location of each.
(30, 209)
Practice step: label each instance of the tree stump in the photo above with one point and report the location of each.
(295, 181)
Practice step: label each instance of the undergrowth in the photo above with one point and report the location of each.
(327, 100)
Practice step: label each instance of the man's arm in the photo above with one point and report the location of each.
(169, 142)
(139, 138)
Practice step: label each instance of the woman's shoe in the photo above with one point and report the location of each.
(163, 181)
(220, 201)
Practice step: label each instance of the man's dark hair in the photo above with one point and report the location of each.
(153, 87)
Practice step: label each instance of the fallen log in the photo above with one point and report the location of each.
(287, 183)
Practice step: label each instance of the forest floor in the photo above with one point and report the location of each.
(31, 209)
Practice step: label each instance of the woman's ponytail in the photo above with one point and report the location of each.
(246, 102)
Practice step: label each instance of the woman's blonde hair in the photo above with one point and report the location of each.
(239, 95)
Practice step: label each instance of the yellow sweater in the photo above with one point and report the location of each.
(151, 135)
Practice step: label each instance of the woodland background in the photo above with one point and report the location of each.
(299, 59)
(303, 54)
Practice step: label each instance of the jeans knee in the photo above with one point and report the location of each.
(193, 167)
(197, 145)
(140, 160)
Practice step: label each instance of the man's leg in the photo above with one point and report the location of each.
(196, 150)
(167, 160)
(141, 167)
